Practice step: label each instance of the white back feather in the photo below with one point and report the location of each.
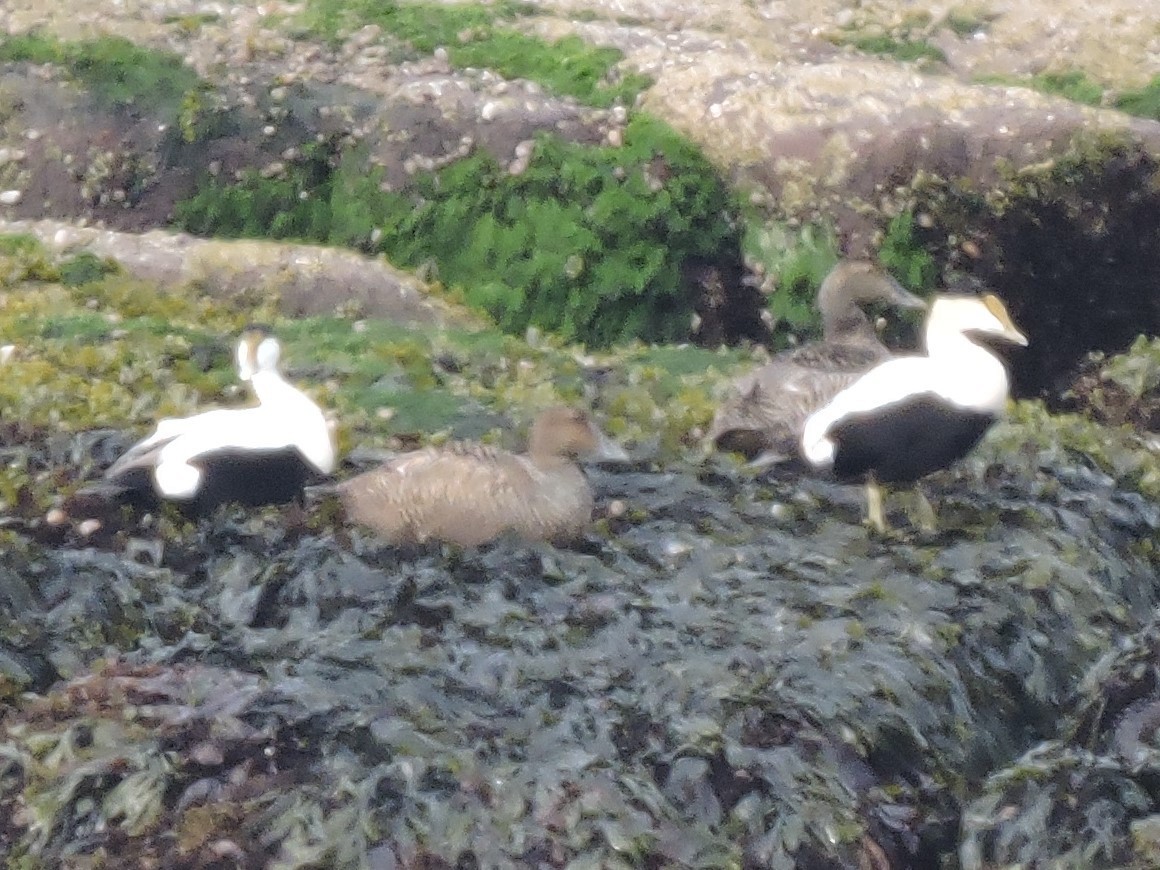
(965, 374)
(284, 418)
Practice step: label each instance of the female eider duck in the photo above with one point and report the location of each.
(468, 494)
(253, 456)
(912, 415)
(763, 419)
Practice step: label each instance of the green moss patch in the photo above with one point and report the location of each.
(903, 48)
(115, 70)
(1076, 85)
(475, 35)
(1073, 85)
(966, 21)
(588, 242)
(1144, 102)
(903, 254)
(797, 259)
(906, 41)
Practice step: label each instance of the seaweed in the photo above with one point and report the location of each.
(118, 72)
(592, 243)
(477, 35)
(704, 682)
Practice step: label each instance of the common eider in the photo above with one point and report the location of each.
(252, 456)
(912, 415)
(468, 494)
(763, 418)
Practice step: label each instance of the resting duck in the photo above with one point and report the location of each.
(467, 494)
(912, 415)
(253, 456)
(763, 419)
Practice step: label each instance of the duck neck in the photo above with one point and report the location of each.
(972, 375)
(945, 343)
(270, 386)
(543, 456)
(542, 447)
(847, 322)
(842, 319)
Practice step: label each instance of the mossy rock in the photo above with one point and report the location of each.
(1072, 246)
(596, 244)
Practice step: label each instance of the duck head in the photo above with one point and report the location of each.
(570, 433)
(862, 281)
(853, 283)
(983, 319)
(258, 351)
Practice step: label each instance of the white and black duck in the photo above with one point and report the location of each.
(912, 415)
(253, 456)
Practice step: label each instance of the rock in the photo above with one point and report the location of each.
(11, 197)
(306, 279)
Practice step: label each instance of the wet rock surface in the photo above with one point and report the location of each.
(776, 94)
(727, 670)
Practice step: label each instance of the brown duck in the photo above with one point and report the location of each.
(467, 494)
(763, 417)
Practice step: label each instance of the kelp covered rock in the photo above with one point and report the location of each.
(1090, 798)
(728, 672)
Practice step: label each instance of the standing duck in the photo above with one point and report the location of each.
(912, 415)
(467, 494)
(763, 419)
(253, 456)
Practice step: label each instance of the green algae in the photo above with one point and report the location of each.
(906, 41)
(903, 254)
(906, 48)
(116, 71)
(1078, 86)
(479, 35)
(1035, 435)
(796, 259)
(589, 242)
(1143, 102)
(967, 21)
(1074, 85)
(189, 25)
(1137, 370)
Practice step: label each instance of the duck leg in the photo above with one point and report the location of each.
(924, 512)
(874, 514)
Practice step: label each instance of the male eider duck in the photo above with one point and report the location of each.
(253, 456)
(912, 415)
(765, 414)
(468, 494)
